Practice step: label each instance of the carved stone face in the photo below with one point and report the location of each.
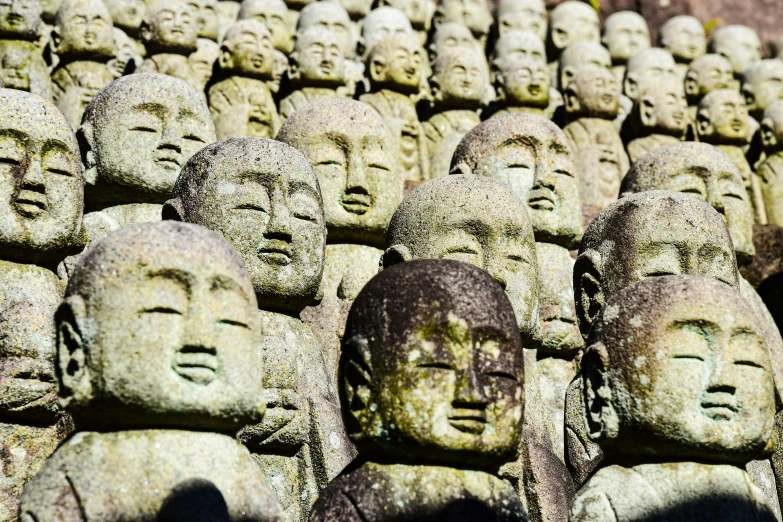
(271, 13)
(723, 118)
(522, 15)
(702, 171)
(356, 9)
(473, 14)
(518, 45)
(330, 17)
(352, 152)
(699, 361)
(451, 36)
(762, 85)
(15, 67)
(530, 155)
(125, 53)
(263, 197)
(41, 182)
(525, 83)
(572, 22)
(772, 139)
(28, 386)
(706, 74)
(662, 110)
(206, 18)
(383, 22)
(83, 29)
(247, 50)
(170, 26)
(450, 218)
(419, 12)
(460, 77)
(127, 14)
(173, 335)
(140, 131)
(19, 19)
(558, 333)
(684, 38)
(646, 70)
(738, 44)
(317, 60)
(625, 34)
(203, 60)
(593, 93)
(49, 9)
(579, 55)
(279, 68)
(396, 63)
(445, 373)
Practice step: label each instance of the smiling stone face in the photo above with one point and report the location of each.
(706, 74)
(139, 131)
(170, 27)
(722, 118)
(395, 63)
(332, 18)
(19, 19)
(572, 22)
(473, 14)
(684, 37)
(762, 85)
(460, 79)
(127, 14)
(83, 29)
(317, 60)
(271, 13)
(593, 93)
(247, 50)
(522, 15)
(739, 44)
(625, 34)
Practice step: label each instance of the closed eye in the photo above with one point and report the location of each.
(436, 365)
(517, 257)
(232, 322)
(193, 137)
(689, 356)
(753, 364)
(732, 195)
(502, 375)
(305, 216)
(330, 163)
(564, 173)
(61, 172)
(250, 206)
(161, 310)
(658, 273)
(144, 129)
(462, 250)
(10, 161)
(377, 166)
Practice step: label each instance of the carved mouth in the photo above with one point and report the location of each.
(736, 125)
(474, 422)
(540, 199)
(534, 89)
(326, 67)
(357, 203)
(720, 410)
(14, 19)
(276, 252)
(607, 98)
(168, 161)
(29, 203)
(197, 364)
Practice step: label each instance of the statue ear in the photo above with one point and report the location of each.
(704, 125)
(377, 69)
(145, 32)
(600, 414)
(631, 86)
(85, 138)
(767, 132)
(566, 75)
(692, 84)
(293, 66)
(647, 112)
(588, 290)
(395, 255)
(571, 100)
(361, 47)
(435, 88)
(56, 39)
(750, 97)
(75, 379)
(559, 38)
(225, 61)
(356, 386)
(173, 210)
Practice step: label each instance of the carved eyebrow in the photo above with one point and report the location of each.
(338, 139)
(471, 225)
(700, 324)
(156, 109)
(222, 282)
(15, 134)
(559, 147)
(181, 277)
(59, 145)
(529, 141)
(301, 186)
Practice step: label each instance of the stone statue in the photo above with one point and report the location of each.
(228, 13)
(331, 17)
(699, 369)
(522, 15)
(762, 85)
(625, 33)
(684, 37)
(273, 216)
(592, 101)
(739, 44)
(202, 62)
(517, 45)
(158, 362)
(450, 36)
(659, 117)
(380, 23)
(579, 55)
(43, 198)
(83, 38)
(473, 14)
(357, 10)
(22, 65)
(125, 59)
(460, 87)
(769, 172)
(170, 34)
(647, 70)
(419, 13)
(273, 14)
(571, 22)
(317, 70)
(705, 74)
(240, 101)
(394, 68)
(432, 389)
(136, 135)
(522, 85)
(32, 424)
(353, 154)
(207, 23)
(127, 15)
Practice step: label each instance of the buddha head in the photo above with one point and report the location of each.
(353, 155)
(572, 22)
(722, 118)
(247, 51)
(430, 376)
(646, 235)
(684, 37)
(579, 55)
(279, 69)
(356, 9)
(208, 25)
(532, 157)
(317, 60)
(460, 79)
(518, 45)
(450, 218)
(202, 62)
(395, 63)
(159, 329)
(592, 93)
(273, 14)
(419, 12)
(772, 128)
(170, 26)
(647, 70)
(126, 58)
(42, 186)
(330, 17)
(762, 85)
(772, 140)
(703, 171)
(523, 83)
(677, 367)
(661, 110)
(20, 20)
(49, 9)
(127, 14)
(625, 34)
(450, 36)
(263, 197)
(739, 44)
(83, 30)
(473, 14)
(136, 135)
(379, 23)
(15, 69)
(705, 74)
(522, 15)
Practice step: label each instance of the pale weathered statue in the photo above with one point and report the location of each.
(127, 15)
(136, 135)
(273, 14)
(83, 38)
(592, 101)
(240, 100)
(522, 85)
(473, 14)
(356, 9)
(659, 117)
(22, 65)
(625, 33)
(762, 85)
(32, 424)
(705, 74)
(460, 88)
(450, 36)
(125, 59)
(517, 45)
(522, 15)
(263, 196)
(331, 17)
(579, 55)
(419, 13)
(690, 351)
(317, 70)
(684, 37)
(648, 70)
(739, 44)
(379, 23)
(42, 195)
(432, 392)
(202, 62)
(569, 23)
(354, 157)
(770, 173)
(158, 358)
(208, 25)
(395, 70)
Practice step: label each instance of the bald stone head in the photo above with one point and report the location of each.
(739, 44)
(473, 14)
(661, 110)
(247, 51)
(705, 74)
(476, 220)
(684, 37)
(382, 22)
(395, 63)
(518, 45)
(352, 152)
(429, 374)
(206, 18)
(271, 13)
(703, 171)
(451, 36)
(170, 26)
(592, 93)
(137, 133)
(722, 118)
(460, 79)
(625, 34)
(42, 189)
(646, 70)
(579, 55)
(523, 83)
(771, 132)
(127, 14)
(646, 235)
(419, 12)
(83, 30)
(531, 156)
(572, 22)
(522, 15)
(317, 60)
(762, 85)
(330, 17)
(159, 329)
(772, 128)
(20, 20)
(693, 350)
(263, 197)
